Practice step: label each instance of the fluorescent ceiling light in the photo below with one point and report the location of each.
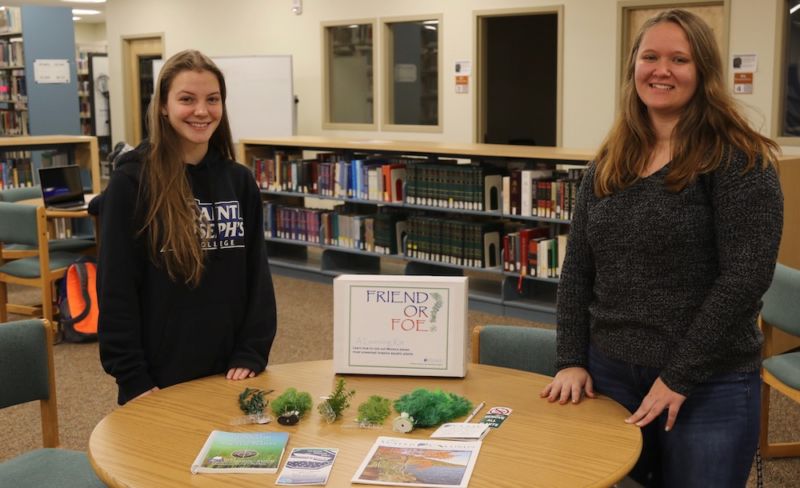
(76, 18)
(80, 11)
(430, 21)
(794, 9)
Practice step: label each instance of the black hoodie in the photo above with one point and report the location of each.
(157, 332)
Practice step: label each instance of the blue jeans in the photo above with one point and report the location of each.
(715, 435)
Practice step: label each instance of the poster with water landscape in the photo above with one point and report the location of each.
(418, 462)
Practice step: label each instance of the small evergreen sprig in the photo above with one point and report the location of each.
(337, 402)
(251, 401)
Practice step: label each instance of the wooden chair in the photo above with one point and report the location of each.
(27, 225)
(780, 370)
(525, 348)
(26, 375)
(16, 250)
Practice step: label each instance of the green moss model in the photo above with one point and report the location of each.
(291, 400)
(374, 411)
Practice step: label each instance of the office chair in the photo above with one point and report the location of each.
(27, 225)
(525, 348)
(27, 374)
(780, 370)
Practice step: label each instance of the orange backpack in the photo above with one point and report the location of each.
(78, 301)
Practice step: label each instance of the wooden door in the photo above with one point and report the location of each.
(135, 52)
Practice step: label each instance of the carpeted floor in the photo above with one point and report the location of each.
(86, 394)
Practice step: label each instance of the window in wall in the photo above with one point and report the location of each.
(791, 89)
(349, 96)
(412, 74)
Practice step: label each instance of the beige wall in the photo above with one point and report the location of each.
(260, 27)
(91, 34)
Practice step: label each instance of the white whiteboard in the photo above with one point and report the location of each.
(260, 99)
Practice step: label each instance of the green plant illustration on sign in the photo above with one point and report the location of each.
(436, 306)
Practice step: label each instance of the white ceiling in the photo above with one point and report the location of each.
(92, 19)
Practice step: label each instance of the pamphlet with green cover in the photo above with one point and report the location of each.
(241, 452)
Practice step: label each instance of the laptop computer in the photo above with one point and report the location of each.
(62, 188)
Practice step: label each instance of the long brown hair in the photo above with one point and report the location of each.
(171, 221)
(709, 126)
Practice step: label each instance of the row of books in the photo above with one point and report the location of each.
(474, 186)
(13, 123)
(534, 252)
(15, 172)
(11, 53)
(341, 226)
(541, 193)
(12, 86)
(461, 186)
(464, 243)
(459, 242)
(10, 20)
(378, 180)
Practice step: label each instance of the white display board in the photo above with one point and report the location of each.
(400, 325)
(260, 99)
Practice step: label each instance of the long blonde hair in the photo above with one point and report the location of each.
(709, 126)
(171, 221)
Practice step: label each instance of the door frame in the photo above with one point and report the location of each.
(133, 47)
(479, 94)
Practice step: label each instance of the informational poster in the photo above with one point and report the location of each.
(51, 71)
(744, 62)
(400, 325)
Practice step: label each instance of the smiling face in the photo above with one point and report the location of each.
(194, 109)
(665, 73)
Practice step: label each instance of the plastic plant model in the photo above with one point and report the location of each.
(337, 402)
(429, 408)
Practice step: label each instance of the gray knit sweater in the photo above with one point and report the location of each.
(672, 280)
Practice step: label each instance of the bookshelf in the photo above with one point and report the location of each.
(28, 107)
(81, 150)
(13, 90)
(492, 288)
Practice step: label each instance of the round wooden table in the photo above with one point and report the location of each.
(152, 441)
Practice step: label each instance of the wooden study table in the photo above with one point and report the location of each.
(152, 441)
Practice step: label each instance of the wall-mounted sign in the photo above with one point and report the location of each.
(462, 84)
(744, 62)
(51, 71)
(405, 73)
(743, 83)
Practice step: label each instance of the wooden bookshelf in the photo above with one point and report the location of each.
(83, 150)
(492, 289)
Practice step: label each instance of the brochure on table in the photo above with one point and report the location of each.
(400, 325)
(419, 463)
(241, 452)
